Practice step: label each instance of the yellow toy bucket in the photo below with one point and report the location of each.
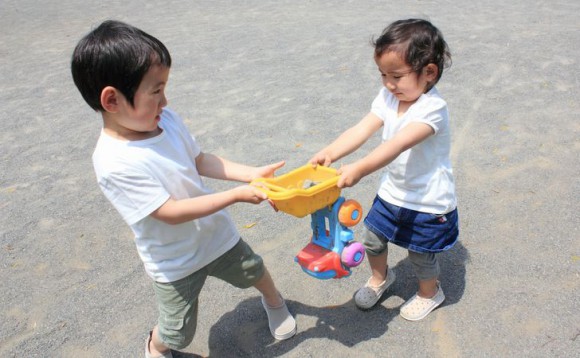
(303, 190)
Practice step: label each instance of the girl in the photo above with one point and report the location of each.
(415, 207)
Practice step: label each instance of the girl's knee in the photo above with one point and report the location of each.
(374, 245)
(426, 265)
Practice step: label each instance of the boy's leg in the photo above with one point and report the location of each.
(155, 346)
(178, 306)
(282, 324)
(268, 290)
(243, 268)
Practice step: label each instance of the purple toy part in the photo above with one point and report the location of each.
(353, 254)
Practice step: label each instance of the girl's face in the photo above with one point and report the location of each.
(400, 79)
(141, 119)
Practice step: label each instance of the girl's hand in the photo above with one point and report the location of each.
(249, 194)
(350, 175)
(267, 171)
(320, 158)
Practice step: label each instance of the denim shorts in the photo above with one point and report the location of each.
(413, 230)
(177, 301)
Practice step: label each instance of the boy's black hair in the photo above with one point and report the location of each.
(118, 55)
(418, 42)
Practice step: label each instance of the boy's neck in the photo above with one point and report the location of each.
(112, 128)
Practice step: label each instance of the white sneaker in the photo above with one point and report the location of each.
(418, 307)
(282, 324)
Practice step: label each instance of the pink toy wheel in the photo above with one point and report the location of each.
(353, 254)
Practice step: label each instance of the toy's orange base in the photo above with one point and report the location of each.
(317, 259)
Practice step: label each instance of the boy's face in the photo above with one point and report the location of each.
(140, 121)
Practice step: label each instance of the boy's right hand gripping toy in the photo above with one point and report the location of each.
(312, 190)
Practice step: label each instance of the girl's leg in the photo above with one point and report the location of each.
(428, 288)
(378, 264)
(430, 294)
(427, 269)
(381, 277)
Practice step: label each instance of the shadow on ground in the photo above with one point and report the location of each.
(244, 332)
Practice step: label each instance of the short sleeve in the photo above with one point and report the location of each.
(134, 195)
(433, 112)
(379, 106)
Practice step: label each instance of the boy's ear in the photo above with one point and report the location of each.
(431, 71)
(110, 99)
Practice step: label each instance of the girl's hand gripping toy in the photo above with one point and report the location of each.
(332, 250)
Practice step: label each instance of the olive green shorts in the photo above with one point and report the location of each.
(177, 301)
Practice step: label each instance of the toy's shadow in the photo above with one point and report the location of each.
(244, 331)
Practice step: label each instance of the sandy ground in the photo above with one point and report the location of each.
(259, 82)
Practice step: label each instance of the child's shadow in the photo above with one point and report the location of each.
(244, 331)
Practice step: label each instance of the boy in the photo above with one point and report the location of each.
(149, 167)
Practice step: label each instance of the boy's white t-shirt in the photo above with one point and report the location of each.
(420, 178)
(139, 176)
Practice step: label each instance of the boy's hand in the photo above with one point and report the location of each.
(320, 158)
(350, 175)
(249, 194)
(267, 171)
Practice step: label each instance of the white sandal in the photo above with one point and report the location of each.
(419, 307)
(368, 295)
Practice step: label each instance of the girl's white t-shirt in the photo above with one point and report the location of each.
(139, 176)
(421, 178)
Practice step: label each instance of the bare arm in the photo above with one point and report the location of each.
(348, 141)
(212, 166)
(411, 135)
(179, 211)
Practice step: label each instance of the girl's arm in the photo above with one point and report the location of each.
(406, 138)
(213, 166)
(349, 141)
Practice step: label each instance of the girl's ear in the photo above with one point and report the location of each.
(110, 99)
(431, 71)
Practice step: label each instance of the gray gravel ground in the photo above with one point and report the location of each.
(259, 82)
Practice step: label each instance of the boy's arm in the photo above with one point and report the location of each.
(348, 141)
(179, 211)
(406, 138)
(213, 166)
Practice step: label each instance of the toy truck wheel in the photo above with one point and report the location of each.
(350, 213)
(353, 254)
